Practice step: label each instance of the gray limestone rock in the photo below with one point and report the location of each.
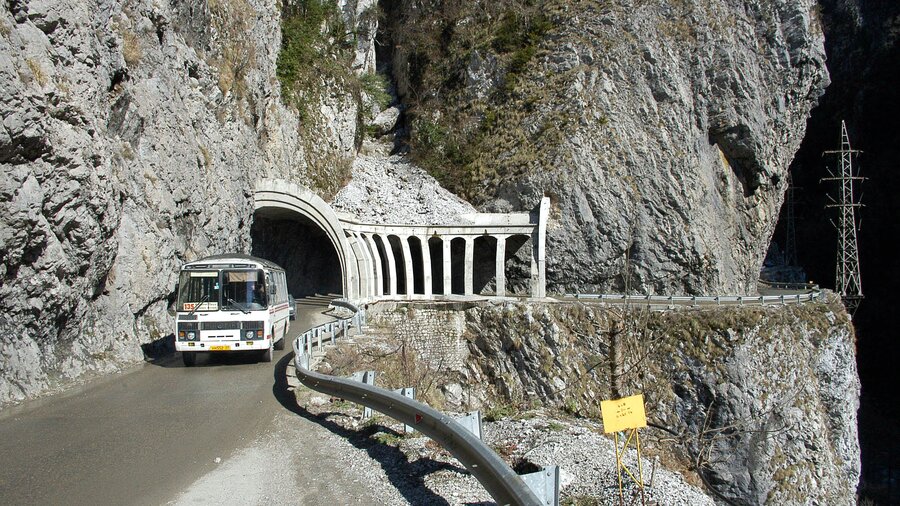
(764, 400)
(388, 189)
(661, 131)
(385, 121)
(132, 135)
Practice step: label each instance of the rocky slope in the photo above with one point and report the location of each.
(133, 133)
(661, 130)
(759, 403)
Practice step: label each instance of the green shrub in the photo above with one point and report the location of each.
(499, 412)
(314, 50)
(519, 35)
(376, 85)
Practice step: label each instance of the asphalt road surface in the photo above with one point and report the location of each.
(145, 436)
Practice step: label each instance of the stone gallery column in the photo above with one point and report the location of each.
(539, 248)
(378, 283)
(364, 264)
(426, 265)
(407, 265)
(469, 265)
(501, 265)
(448, 278)
(392, 265)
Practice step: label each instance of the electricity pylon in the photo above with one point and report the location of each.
(847, 282)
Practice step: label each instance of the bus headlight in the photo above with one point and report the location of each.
(248, 335)
(191, 336)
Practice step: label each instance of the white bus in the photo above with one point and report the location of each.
(231, 303)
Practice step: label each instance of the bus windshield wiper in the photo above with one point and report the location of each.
(235, 303)
(202, 301)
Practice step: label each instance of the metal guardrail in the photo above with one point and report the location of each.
(315, 337)
(786, 285)
(500, 481)
(740, 300)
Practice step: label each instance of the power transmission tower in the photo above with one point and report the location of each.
(847, 281)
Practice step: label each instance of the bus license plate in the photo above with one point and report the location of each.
(221, 347)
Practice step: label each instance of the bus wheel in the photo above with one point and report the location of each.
(189, 358)
(280, 344)
(267, 355)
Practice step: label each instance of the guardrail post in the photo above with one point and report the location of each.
(409, 393)
(544, 484)
(741, 300)
(472, 422)
(367, 377)
(304, 360)
(782, 301)
(319, 332)
(307, 336)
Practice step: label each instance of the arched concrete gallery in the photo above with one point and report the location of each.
(485, 254)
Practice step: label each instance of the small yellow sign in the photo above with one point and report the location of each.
(622, 414)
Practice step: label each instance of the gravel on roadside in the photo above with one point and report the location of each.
(421, 472)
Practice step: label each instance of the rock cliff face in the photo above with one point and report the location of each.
(662, 131)
(760, 402)
(133, 134)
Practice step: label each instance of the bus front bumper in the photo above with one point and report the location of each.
(223, 345)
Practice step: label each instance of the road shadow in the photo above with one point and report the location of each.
(207, 359)
(159, 348)
(407, 477)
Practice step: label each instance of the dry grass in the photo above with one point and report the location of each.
(207, 158)
(37, 71)
(232, 21)
(396, 363)
(131, 48)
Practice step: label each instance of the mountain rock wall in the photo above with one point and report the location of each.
(133, 135)
(662, 131)
(134, 132)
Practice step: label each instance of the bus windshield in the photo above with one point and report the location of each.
(244, 289)
(198, 291)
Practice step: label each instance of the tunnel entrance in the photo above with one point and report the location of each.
(301, 247)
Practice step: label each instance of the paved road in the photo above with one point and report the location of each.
(140, 437)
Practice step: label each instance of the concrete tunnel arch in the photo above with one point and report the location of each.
(278, 196)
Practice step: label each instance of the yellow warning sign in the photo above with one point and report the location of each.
(622, 414)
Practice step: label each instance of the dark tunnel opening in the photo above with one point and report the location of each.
(301, 247)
